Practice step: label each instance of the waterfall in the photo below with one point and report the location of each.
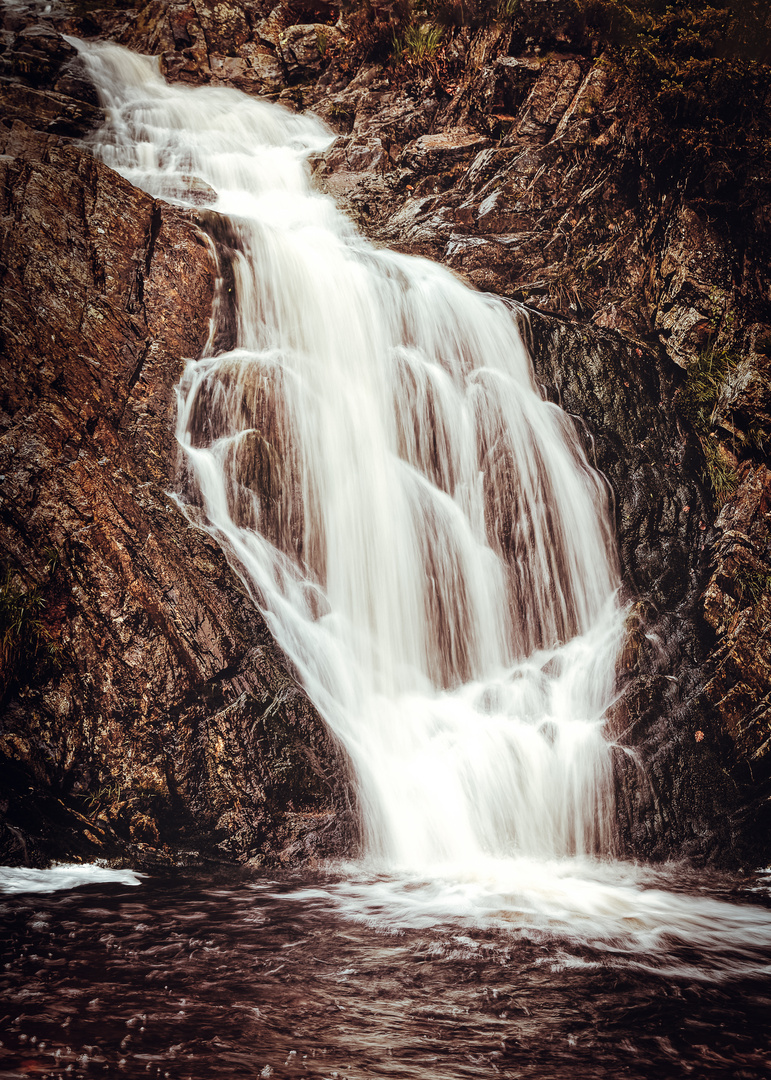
(365, 438)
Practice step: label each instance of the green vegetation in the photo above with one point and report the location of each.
(715, 380)
(322, 42)
(753, 584)
(719, 472)
(23, 635)
(707, 377)
(703, 67)
(418, 46)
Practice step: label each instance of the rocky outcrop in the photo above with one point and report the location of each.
(162, 721)
(522, 162)
(42, 81)
(737, 606)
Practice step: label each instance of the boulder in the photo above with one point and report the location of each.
(305, 49)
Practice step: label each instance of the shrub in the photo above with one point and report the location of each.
(702, 66)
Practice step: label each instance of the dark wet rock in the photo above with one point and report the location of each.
(737, 606)
(163, 719)
(554, 92)
(683, 799)
(42, 83)
(47, 110)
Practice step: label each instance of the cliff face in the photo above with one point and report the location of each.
(529, 167)
(166, 715)
(162, 721)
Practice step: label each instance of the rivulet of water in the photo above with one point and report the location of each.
(364, 437)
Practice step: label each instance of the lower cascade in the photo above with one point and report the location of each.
(365, 439)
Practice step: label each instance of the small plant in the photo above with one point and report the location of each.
(716, 379)
(507, 9)
(23, 635)
(52, 557)
(719, 473)
(322, 42)
(104, 796)
(419, 45)
(707, 376)
(753, 584)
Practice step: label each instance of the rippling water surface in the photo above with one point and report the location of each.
(326, 976)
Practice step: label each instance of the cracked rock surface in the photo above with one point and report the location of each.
(167, 725)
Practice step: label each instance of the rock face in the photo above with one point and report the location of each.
(42, 81)
(683, 800)
(529, 176)
(163, 723)
(168, 716)
(737, 606)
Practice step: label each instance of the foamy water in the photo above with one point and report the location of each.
(22, 879)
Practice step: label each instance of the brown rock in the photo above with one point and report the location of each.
(168, 705)
(305, 48)
(737, 605)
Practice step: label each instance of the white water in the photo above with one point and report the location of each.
(419, 525)
(365, 439)
(21, 879)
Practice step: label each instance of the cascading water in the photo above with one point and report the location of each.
(364, 437)
(420, 527)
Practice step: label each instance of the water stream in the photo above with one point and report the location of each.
(365, 439)
(420, 527)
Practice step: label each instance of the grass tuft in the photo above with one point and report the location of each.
(23, 635)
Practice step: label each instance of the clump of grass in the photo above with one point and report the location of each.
(753, 584)
(23, 635)
(715, 381)
(719, 473)
(322, 42)
(418, 46)
(707, 378)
